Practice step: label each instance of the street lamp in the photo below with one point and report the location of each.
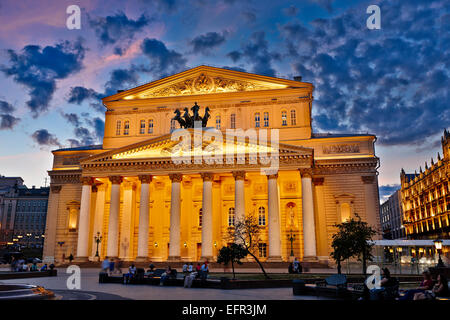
(98, 239)
(438, 246)
(291, 238)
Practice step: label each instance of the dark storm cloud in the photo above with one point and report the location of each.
(8, 121)
(44, 138)
(204, 43)
(391, 82)
(79, 94)
(72, 118)
(326, 4)
(38, 69)
(118, 29)
(256, 53)
(6, 107)
(162, 61)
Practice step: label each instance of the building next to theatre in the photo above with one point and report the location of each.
(391, 217)
(23, 213)
(148, 206)
(426, 197)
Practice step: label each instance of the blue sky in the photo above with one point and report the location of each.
(391, 82)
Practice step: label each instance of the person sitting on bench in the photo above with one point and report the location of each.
(131, 273)
(166, 275)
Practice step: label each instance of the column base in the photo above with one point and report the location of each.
(174, 259)
(113, 257)
(207, 258)
(141, 259)
(274, 259)
(310, 259)
(81, 259)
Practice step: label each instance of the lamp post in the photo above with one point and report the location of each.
(438, 246)
(98, 240)
(291, 238)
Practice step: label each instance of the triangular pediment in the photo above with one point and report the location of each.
(204, 80)
(191, 143)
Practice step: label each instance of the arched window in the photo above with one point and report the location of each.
(118, 127)
(262, 216)
(257, 120)
(218, 121)
(150, 126)
(142, 127)
(293, 118)
(283, 118)
(231, 217)
(200, 217)
(233, 121)
(345, 211)
(126, 129)
(266, 119)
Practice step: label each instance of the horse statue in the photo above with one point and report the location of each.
(187, 118)
(205, 117)
(179, 118)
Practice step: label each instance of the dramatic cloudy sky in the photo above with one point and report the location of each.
(391, 82)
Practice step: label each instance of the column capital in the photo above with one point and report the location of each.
(318, 181)
(306, 172)
(116, 179)
(368, 179)
(207, 176)
(145, 178)
(94, 188)
(272, 176)
(176, 177)
(239, 175)
(55, 189)
(87, 180)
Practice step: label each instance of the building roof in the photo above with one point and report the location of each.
(339, 135)
(83, 148)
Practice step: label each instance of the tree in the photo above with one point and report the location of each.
(246, 233)
(353, 239)
(233, 253)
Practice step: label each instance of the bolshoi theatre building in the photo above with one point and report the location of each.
(162, 189)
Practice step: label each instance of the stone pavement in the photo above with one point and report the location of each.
(91, 289)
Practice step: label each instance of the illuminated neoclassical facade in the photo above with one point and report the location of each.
(149, 206)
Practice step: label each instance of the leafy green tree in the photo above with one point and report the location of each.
(246, 232)
(353, 239)
(232, 254)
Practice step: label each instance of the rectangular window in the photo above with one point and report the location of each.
(126, 129)
(257, 120)
(118, 128)
(266, 119)
(173, 124)
(233, 121)
(284, 118)
(150, 126)
(293, 118)
(142, 129)
(218, 121)
(262, 248)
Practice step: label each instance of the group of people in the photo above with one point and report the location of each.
(201, 272)
(427, 290)
(110, 266)
(295, 267)
(20, 265)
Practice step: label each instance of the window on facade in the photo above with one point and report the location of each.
(218, 121)
(283, 118)
(126, 128)
(150, 126)
(200, 217)
(233, 121)
(262, 248)
(293, 118)
(345, 212)
(173, 124)
(118, 127)
(266, 119)
(142, 128)
(262, 216)
(231, 217)
(257, 120)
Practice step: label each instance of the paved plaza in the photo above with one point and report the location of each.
(91, 290)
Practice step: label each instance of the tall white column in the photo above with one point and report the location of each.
(127, 221)
(239, 195)
(83, 225)
(274, 218)
(98, 221)
(309, 228)
(175, 217)
(207, 232)
(142, 254)
(112, 250)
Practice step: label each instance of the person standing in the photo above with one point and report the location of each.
(185, 268)
(190, 268)
(105, 265)
(111, 266)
